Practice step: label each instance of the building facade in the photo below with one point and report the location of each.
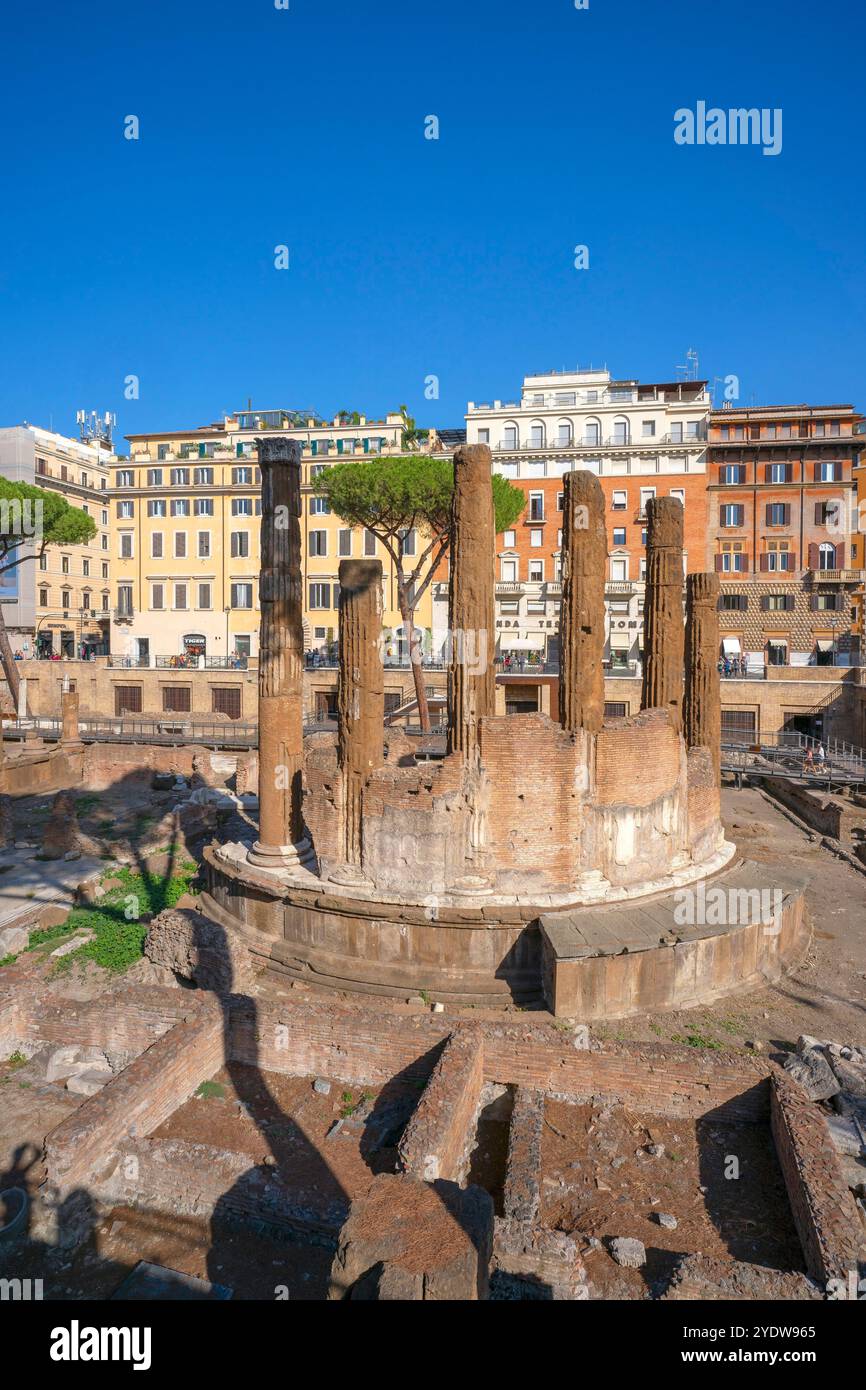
(642, 440)
(782, 490)
(60, 604)
(185, 526)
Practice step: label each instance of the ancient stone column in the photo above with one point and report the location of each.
(471, 620)
(702, 707)
(581, 615)
(663, 610)
(282, 842)
(69, 716)
(361, 690)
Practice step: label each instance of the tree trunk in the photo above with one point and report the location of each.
(407, 614)
(8, 662)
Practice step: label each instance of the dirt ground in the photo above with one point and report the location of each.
(604, 1177)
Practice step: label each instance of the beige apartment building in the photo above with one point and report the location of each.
(185, 509)
(60, 604)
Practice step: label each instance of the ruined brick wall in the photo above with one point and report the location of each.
(825, 1214)
(534, 789)
(705, 831)
(439, 1137)
(30, 772)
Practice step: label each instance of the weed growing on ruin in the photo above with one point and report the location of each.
(350, 1105)
(697, 1040)
(120, 919)
(16, 1059)
(210, 1090)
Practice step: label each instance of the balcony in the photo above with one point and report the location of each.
(837, 576)
(506, 588)
(124, 615)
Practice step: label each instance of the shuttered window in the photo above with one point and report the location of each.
(226, 701)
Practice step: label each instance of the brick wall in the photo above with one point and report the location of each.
(438, 1138)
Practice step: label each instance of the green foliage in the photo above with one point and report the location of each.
(61, 524)
(119, 940)
(16, 1059)
(697, 1040)
(211, 1090)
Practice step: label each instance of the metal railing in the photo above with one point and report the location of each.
(170, 728)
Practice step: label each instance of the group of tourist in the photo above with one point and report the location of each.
(733, 666)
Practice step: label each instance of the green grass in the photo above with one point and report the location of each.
(697, 1040)
(211, 1090)
(119, 940)
(16, 1059)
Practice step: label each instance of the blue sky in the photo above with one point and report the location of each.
(413, 257)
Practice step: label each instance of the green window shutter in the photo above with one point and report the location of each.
(202, 451)
(239, 451)
(314, 446)
(366, 444)
(339, 446)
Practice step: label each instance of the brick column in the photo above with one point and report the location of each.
(581, 616)
(361, 691)
(282, 842)
(702, 708)
(471, 620)
(663, 611)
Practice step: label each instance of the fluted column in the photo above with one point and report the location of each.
(361, 691)
(663, 609)
(581, 614)
(702, 707)
(471, 620)
(282, 842)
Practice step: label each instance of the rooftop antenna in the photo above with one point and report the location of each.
(95, 428)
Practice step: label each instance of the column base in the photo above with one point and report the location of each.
(297, 856)
(349, 876)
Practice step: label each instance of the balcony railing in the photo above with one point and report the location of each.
(609, 442)
(124, 615)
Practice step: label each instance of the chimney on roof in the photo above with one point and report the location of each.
(362, 419)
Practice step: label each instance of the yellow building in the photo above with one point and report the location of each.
(858, 553)
(185, 510)
(60, 603)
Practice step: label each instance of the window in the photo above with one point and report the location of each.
(509, 437)
(563, 433)
(66, 598)
(180, 506)
(619, 569)
(103, 541)
(777, 556)
(732, 473)
(127, 700)
(732, 557)
(620, 500)
(240, 545)
(162, 452)
(204, 545)
(43, 598)
(536, 436)
(483, 436)
(731, 514)
(320, 506)
(407, 543)
(124, 598)
(125, 510)
(241, 595)
(180, 596)
(536, 571)
(104, 570)
(226, 701)
(64, 564)
(620, 431)
(156, 545)
(826, 556)
(734, 603)
(680, 494)
(536, 506)
(825, 603)
(241, 477)
(592, 432)
(777, 652)
(344, 542)
(180, 545)
(203, 477)
(154, 477)
(677, 432)
(242, 506)
(157, 596)
(828, 472)
(648, 429)
(85, 567)
(828, 513)
(243, 643)
(369, 543)
(619, 535)
(43, 562)
(203, 506)
(646, 495)
(536, 537)
(777, 513)
(777, 603)
(777, 473)
(179, 477)
(509, 538)
(125, 543)
(509, 571)
(204, 596)
(177, 699)
(156, 507)
(738, 725)
(125, 477)
(320, 596)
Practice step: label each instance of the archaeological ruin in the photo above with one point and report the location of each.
(375, 1056)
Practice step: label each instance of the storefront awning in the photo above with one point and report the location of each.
(824, 644)
(620, 642)
(731, 646)
(533, 643)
